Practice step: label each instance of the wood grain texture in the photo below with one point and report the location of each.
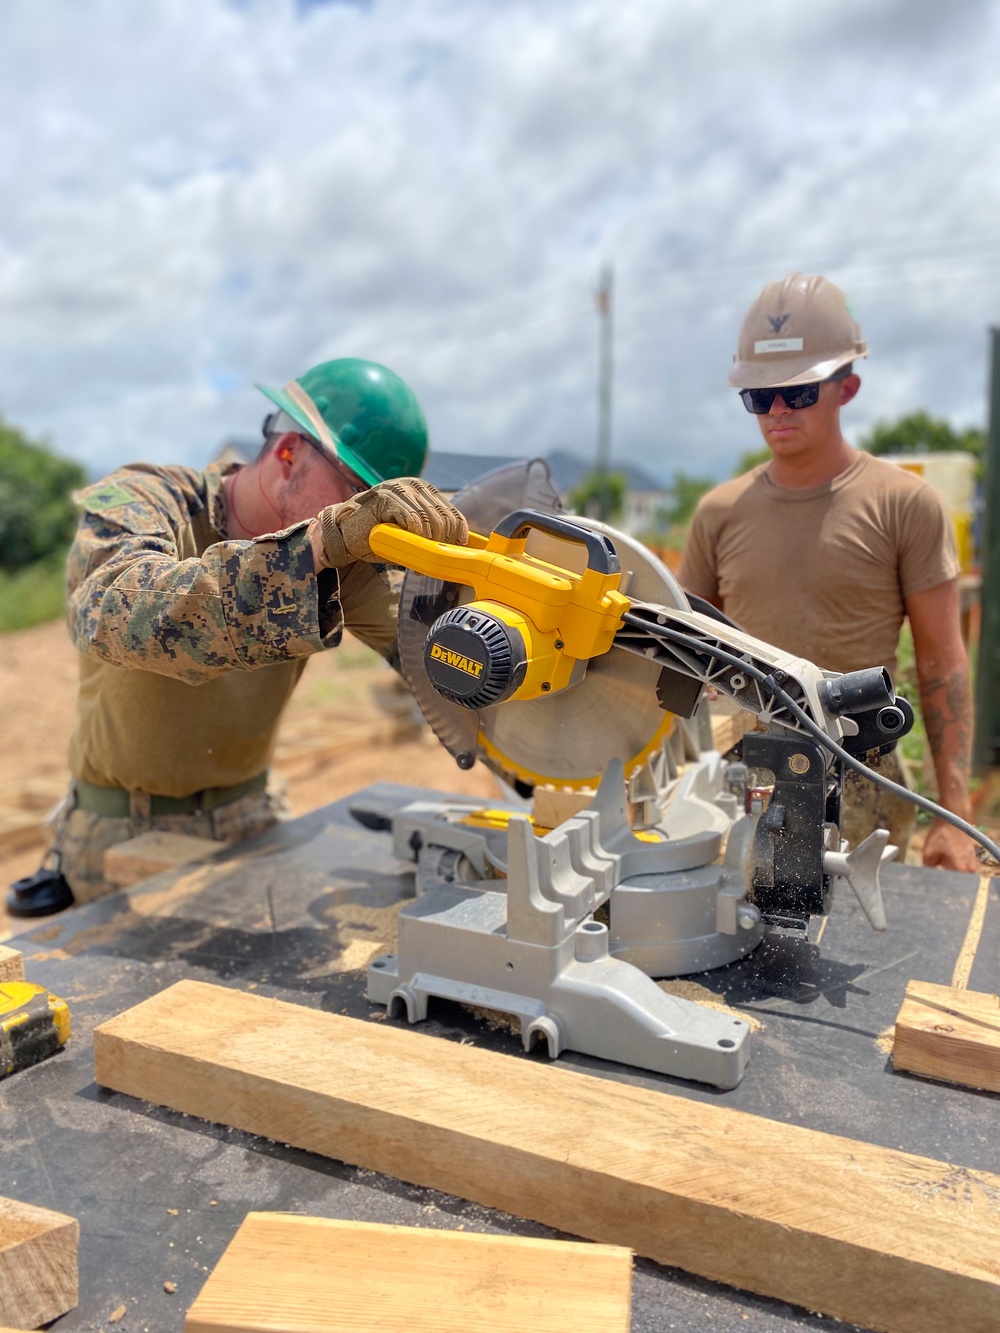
(892, 1241)
(315, 1275)
(38, 1264)
(950, 1034)
(151, 853)
(11, 969)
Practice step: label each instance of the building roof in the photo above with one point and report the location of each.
(452, 472)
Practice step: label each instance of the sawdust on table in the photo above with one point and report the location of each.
(886, 1039)
(685, 989)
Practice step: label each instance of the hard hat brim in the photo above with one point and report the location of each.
(343, 454)
(783, 371)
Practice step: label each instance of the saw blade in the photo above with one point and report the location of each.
(566, 740)
(613, 713)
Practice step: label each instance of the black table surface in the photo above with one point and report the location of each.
(159, 1195)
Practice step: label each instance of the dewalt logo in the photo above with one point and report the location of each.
(450, 658)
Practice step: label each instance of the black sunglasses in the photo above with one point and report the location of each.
(795, 396)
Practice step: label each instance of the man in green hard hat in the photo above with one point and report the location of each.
(196, 598)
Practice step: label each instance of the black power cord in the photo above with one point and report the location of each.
(773, 687)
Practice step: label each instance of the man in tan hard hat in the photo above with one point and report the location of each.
(823, 550)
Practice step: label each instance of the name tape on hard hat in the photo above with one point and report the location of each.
(778, 345)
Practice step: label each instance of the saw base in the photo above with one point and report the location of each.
(529, 945)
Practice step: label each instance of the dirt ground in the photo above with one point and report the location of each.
(347, 726)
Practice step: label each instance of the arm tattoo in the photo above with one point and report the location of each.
(946, 704)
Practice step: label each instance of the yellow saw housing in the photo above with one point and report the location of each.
(532, 625)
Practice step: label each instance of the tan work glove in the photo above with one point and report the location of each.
(408, 502)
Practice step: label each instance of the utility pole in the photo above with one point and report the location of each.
(605, 293)
(986, 752)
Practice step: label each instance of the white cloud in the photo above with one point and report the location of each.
(200, 194)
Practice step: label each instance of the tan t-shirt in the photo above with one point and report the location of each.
(822, 573)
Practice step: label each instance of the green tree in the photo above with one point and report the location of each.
(685, 492)
(600, 495)
(37, 515)
(920, 433)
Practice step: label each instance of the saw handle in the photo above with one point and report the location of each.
(601, 554)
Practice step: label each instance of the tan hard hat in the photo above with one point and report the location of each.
(798, 330)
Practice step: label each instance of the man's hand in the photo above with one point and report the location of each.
(412, 504)
(948, 848)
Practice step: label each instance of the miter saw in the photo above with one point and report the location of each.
(566, 657)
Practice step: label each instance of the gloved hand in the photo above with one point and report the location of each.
(408, 502)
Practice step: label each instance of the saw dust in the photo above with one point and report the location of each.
(886, 1040)
(684, 989)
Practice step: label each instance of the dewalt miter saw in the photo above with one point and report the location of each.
(564, 655)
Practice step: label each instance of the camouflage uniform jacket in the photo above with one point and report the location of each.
(192, 641)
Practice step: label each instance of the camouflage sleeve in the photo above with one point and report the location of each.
(134, 602)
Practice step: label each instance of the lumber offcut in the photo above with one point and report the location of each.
(321, 1276)
(889, 1240)
(11, 969)
(38, 1264)
(950, 1034)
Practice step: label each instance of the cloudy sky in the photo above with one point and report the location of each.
(201, 194)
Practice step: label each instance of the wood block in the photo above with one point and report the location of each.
(889, 1240)
(949, 1034)
(315, 1275)
(152, 853)
(552, 807)
(11, 969)
(38, 1264)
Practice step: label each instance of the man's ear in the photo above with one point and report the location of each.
(284, 450)
(849, 386)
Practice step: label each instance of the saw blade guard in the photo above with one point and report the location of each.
(568, 738)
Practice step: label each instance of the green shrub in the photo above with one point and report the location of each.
(37, 514)
(34, 594)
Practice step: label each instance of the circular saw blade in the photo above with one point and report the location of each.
(613, 713)
(568, 739)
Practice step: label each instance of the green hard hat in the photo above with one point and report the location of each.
(361, 413)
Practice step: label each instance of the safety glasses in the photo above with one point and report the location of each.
(795, 396)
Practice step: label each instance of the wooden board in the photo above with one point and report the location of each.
(950, 1034)
(38, 1264)
(887, 1239)
(11, 969)
(315, 1275)
(151, 853)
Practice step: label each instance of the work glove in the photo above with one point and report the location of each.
(408, 502)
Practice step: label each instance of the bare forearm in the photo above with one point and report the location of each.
(946, 704)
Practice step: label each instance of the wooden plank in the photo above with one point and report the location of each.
(139, 858)
(11, 969)
(884, 1238)
(38, 1264)
(950, 1034)
(322, 1276)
